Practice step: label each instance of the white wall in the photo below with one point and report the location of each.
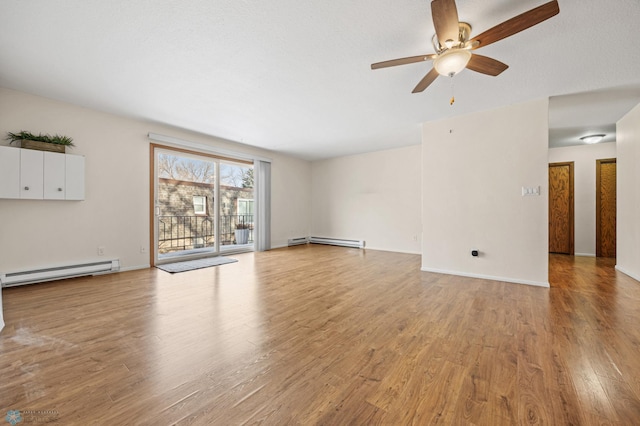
(115, 213)
(584, 158)
(373, 197)
(628, 194)
(474, 167)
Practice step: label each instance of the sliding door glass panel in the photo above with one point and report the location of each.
(237, 220)
(185, 199)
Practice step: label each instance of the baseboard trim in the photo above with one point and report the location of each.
(585, 254)
(134, 268)
(279, 246)
(394, 251)
(487, 277)
(635, 277)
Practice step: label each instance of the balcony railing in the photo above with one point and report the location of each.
(177, 233)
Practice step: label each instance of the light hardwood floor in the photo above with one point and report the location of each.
(325, 335)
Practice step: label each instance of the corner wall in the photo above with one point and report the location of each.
(115, 213)
(628, 194)
(474, 168)
(584, 158)
(373, 197)
(1, 314)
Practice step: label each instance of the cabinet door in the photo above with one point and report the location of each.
(54, 165)
(9, 172)
(31, 174)
(74, 177)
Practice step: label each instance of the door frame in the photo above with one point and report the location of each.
(572, 220)
(599, 202)
(152, 196)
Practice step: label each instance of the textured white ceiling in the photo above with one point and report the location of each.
(294, 75)
(574, 116)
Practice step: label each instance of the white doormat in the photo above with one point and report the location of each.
(190, 265)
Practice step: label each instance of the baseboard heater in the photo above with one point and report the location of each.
(337, 242)
(11, 279)
(297, 241)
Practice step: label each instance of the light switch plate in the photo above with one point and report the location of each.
(530, 190)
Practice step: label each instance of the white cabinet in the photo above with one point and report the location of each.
(9, 172)
(54, 176)
(31, 174)
(38, 175)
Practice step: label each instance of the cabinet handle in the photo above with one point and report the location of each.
(26, 188)
(60, 189)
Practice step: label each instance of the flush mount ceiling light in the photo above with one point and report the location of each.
(592, 138)
(452, 61)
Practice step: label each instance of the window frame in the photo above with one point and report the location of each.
(203, 211)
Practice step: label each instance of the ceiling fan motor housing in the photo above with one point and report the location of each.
(464, 32)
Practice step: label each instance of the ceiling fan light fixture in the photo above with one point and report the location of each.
(590, 139)
(452, 61)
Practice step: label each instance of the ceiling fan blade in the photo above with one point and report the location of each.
(401, 61)
(426, 81)
(486, 65)
(517, 24)
(445, 20)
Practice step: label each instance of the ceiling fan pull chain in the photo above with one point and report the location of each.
(453, 98)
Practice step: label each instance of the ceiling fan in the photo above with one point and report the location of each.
(453, 46)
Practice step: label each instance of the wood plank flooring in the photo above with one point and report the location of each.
(329, 336)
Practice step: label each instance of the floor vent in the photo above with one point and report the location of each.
(298, 241)
(11, 279)
(337, 242)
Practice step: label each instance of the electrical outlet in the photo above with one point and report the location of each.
(143, 249)
(415, 238)
(100, 250)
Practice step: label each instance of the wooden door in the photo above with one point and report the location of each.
(561, 223)
(606, 207)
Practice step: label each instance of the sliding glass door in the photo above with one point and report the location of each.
(236, 210)
(203, 205)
